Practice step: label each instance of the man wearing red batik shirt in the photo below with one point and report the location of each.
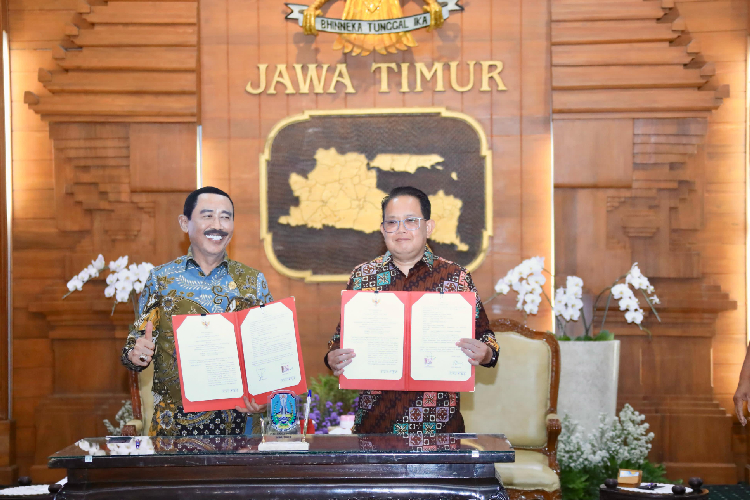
(409, 265)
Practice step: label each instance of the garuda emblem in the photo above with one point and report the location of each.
(368, 25)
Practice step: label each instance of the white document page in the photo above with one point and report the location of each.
(374, 328)
(209, 358)
(438, 321)
(270, 346)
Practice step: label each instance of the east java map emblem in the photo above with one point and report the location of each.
(372, 25)
(323, 175)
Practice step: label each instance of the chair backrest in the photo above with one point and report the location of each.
(145, 382)
(141, 397)
(516, 396)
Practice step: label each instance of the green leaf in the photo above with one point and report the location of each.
(605, 335)
(563, 337)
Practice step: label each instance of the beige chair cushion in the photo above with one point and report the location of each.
(530, 471)
(512, 398)
(145, 382)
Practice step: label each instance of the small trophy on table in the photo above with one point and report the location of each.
(282, 419)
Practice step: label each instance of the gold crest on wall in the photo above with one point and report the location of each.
(372, 25)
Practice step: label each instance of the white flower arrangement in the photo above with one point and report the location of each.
(527, 279)
(123, 282)
(621, 440)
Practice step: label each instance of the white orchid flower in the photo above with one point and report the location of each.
(533, 298)
(574, 282)
(573, 292)
(641, 283)
(502, 287)
(620, 290)
(525, 268)
(635, 316)
(521, 287)
(98, 263)
(537, 279)
(122, 295)
(637, 279)
(628, 303)
(560, 297)
(109, 292)
(567, 314)
(513, 275)
(519, 301)
(138, 286)
(558, 309)
(531, 308)
(144, 269)
(124, 285)
(75, 284)
(126, 275)
(575, 313)
(84, 275)
(535, 289)
(576, 304)
(537, 264)
(119, 264)
(635, 271)
(93, 272)
(654, 299)
(112, 279)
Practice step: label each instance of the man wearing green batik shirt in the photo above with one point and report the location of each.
(204, 281)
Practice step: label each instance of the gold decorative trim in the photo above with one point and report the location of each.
(265, 156)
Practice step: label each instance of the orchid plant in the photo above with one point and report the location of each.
(527, 279)
(123, 282)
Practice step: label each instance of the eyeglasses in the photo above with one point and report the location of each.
(410, 224)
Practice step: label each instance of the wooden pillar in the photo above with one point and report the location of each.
(8, 468)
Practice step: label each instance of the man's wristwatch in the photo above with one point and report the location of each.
(493, 359)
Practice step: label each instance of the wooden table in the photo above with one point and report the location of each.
(370, 466)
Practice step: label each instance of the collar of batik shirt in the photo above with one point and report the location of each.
(427, 257)
(191, 260)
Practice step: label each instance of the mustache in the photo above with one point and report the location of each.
(215, 232)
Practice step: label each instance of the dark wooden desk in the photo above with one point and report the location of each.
(335, 467)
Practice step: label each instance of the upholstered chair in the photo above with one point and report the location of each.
(142, 400)
(518, 398)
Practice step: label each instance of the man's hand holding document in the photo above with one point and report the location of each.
(222, 358)
(407, 341)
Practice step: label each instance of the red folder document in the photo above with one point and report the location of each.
(406, 341)
(223, 357)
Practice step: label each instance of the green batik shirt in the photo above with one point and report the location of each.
(180, 287)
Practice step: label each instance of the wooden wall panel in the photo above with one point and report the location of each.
(8, 468)
(235, 125)
(678, 210)
(160, 156)
(581, 167)
(81, 189)
(649, 166)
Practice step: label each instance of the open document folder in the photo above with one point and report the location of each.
(223, 357)
(406, 341)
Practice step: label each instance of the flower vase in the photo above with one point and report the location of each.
(588, 381)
